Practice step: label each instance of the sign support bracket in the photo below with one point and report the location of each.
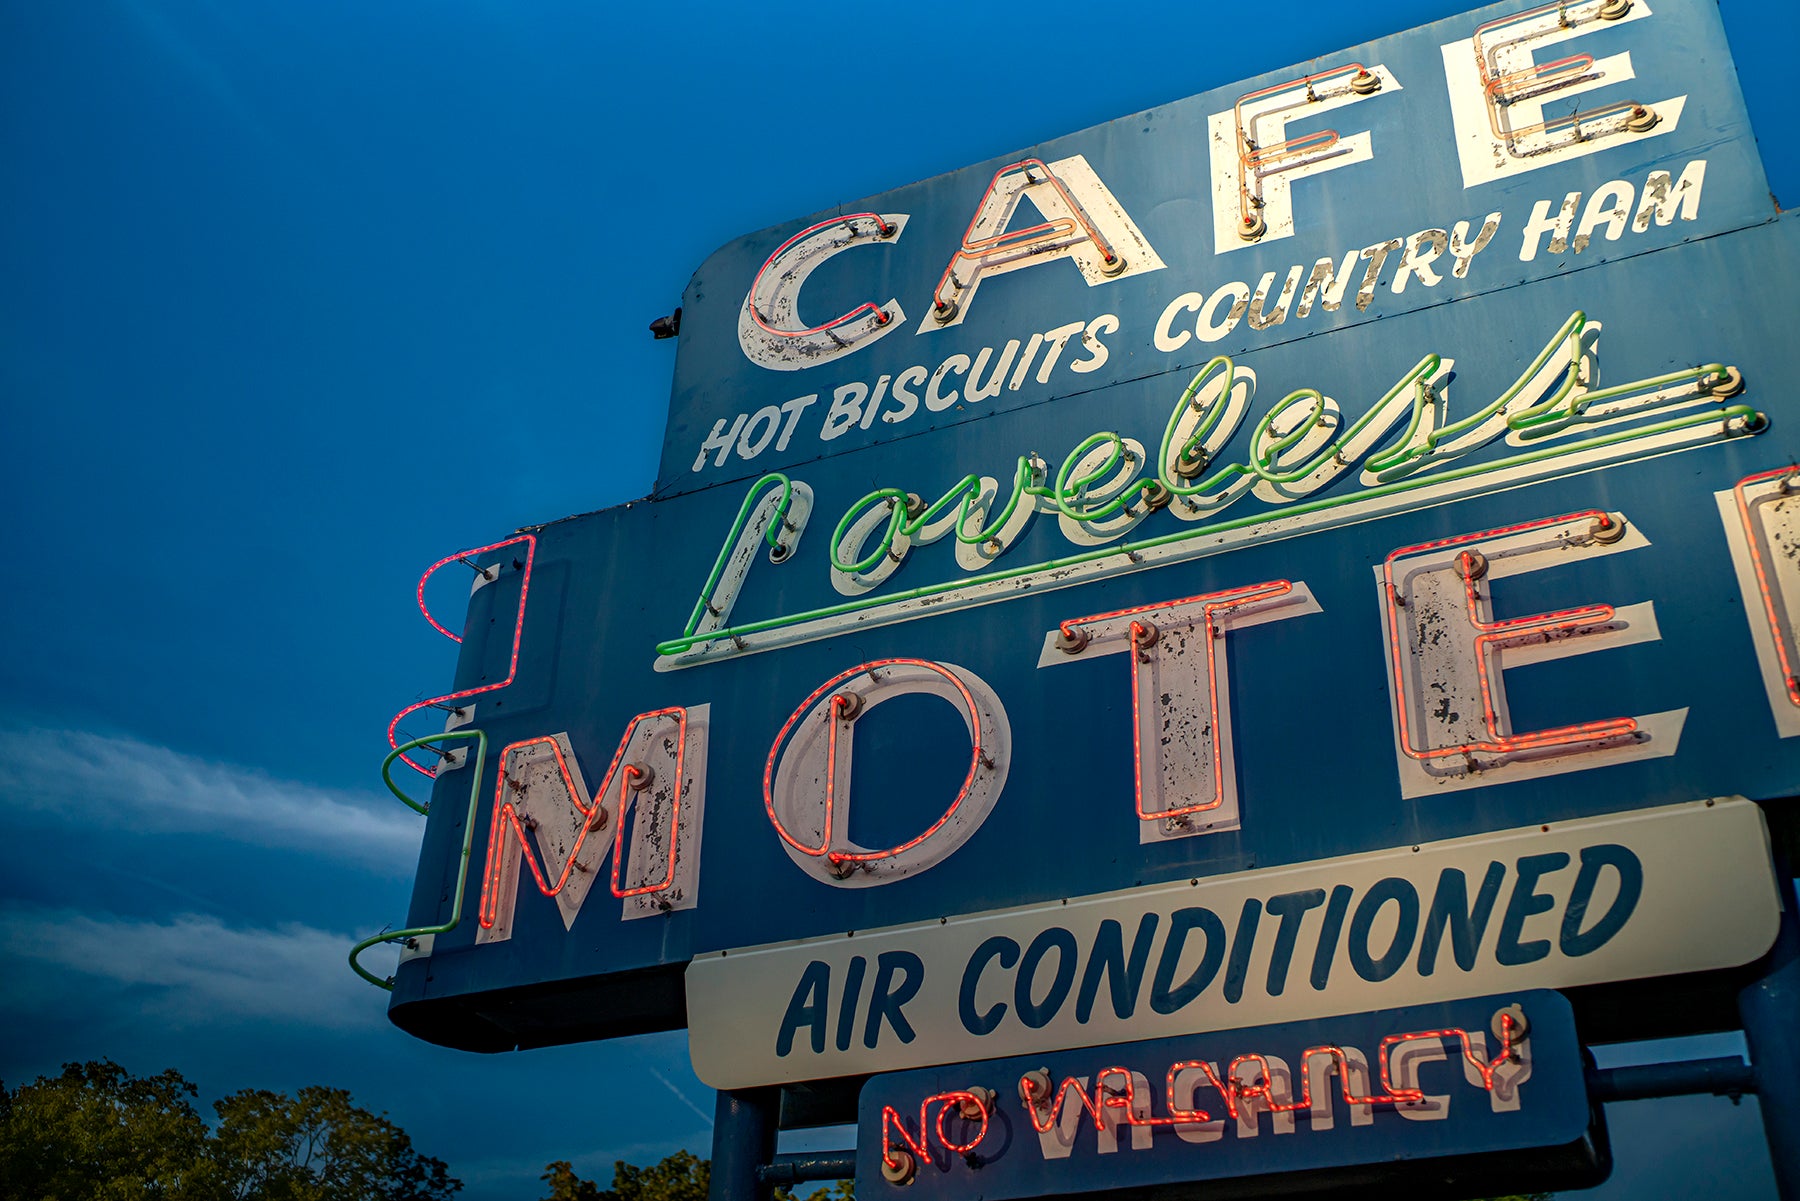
(803, 1167)
(1726, 1076)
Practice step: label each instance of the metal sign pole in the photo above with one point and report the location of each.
(1770, 1010)
(744, 1129)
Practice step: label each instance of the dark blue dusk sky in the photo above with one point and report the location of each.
(295, 298)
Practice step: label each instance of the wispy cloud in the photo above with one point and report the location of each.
(188, 972)
(681, 1096)
(125, 783)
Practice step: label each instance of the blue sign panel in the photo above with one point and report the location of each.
(1228, 578)
(1465, 1094)
(1513, 143)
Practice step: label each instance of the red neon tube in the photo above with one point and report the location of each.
(824, 848)
(1492, 633)
(1211, 603)
(1019, 239)
(950, 1102)
(881, 315)
(512, 670)
(1763, 581)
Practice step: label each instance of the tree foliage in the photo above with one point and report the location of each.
(683, 1176)
(565, 1185)
(317, 1146)
(97, 1132)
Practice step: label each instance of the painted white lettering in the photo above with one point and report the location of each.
(1610, 204)
(1024, 368)
(978, 391)
(1090, 342)
(793, 409)
(1541, 223)
(1664, 201)
(1054, 341)
(938, 401)
(720, 440)
(751, 443)
(904, 383)
(1260, 317)
(1425, 246)
(1377, 256)
(846, 409)
(1327, 284)
(1168, 339)
(1209, 327)
(874, 404)
(1463, 251)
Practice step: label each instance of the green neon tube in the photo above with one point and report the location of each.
(1384, 463)
(1544, 419)
(462, 866)
(1726, 414)
(966, 490)
(1264, 464)
(737, 527)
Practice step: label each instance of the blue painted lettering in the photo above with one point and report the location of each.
(1007, 952)
(1574, 940)
(1165, 996)
(1450, 910)
(1525, 902)
(1406, 927)
(1291, 908)
(1037, 1014)
(806, 1008)
(888, 996)
(1108, 959)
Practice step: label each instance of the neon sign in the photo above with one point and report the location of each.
(1238, 749)
(1052, 356)
(769, 329)
(1266, 1081)
(1499, 91)
(898, 1164)
(1400, 1087)
(1446, 658)
(1497, 94)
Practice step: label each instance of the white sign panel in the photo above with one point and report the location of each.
(1682, 888)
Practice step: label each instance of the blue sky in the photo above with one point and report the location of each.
(297, 298)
